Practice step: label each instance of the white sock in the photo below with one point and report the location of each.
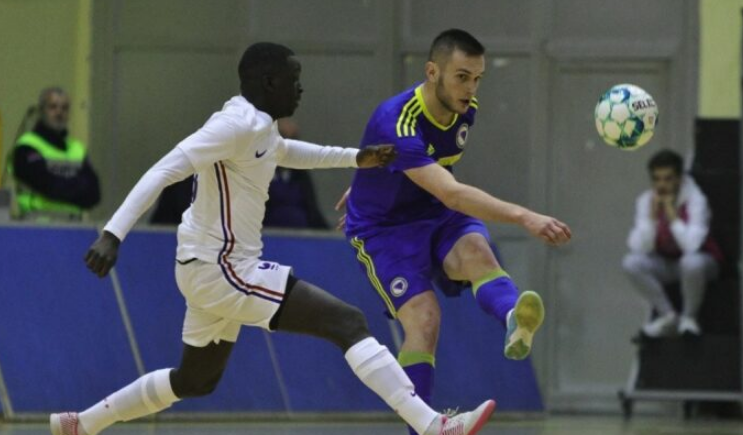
(380, 371)
(147, 395)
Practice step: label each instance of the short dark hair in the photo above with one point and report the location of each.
(262, 58)
(448, 40)
(666, 159)
(44, 94)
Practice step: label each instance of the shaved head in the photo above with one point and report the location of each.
(454, 39)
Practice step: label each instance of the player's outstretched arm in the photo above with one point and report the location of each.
(297, 154)
(474, 202)
(172, 168)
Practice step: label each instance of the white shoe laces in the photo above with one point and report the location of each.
(454, 424)
(449, 413)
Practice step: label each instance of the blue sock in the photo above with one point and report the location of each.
(419, 367)
(496, 294)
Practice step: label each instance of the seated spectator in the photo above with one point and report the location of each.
(670, 242)
(291, 196)
(52, 174)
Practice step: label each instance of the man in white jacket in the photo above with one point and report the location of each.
(670, 242)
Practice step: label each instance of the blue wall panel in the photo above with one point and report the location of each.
(62, 341)
(145, 269)
(63, 345)
(471, 366)
(249, 383)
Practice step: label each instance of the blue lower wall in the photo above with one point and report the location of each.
(63, 344)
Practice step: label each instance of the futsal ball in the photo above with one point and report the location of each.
(626, 116)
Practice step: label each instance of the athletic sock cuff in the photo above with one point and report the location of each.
(490, 276)
(363, 351)
(159, 387)
(409, 358)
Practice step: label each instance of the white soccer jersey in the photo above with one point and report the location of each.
(234, 156)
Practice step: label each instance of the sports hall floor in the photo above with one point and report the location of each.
(560, 425)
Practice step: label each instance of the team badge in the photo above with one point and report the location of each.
(462, 135)
(399, 286)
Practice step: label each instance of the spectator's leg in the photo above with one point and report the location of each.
(648, 274)
(697, 269)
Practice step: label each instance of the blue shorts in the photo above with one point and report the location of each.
(406, 260)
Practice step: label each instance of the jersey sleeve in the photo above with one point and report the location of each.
(411, 153)
(297, 154)
(410, 147)
(216, 140)
(173, 167)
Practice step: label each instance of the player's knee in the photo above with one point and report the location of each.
(353, 326)
(481, 253)
(472, 259)
(692, 263)
(632, 263)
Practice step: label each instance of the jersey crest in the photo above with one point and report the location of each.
(462, 135)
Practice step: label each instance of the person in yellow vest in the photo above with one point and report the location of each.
(53, 176)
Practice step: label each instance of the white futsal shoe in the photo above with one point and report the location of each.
(467, 423)
(521, 324)
(662, 326)
(65, 423)
(689, 326)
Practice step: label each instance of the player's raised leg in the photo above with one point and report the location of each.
(199, 373)
(472, 259)
(310, 310)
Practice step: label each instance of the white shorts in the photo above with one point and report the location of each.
(220, 299)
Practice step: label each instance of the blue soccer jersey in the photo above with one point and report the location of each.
(384, 197)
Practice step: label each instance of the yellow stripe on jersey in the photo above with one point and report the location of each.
(474, 103)
(403, 113)
(449, 161)
(415, 111)
(404, 118)
(371, 273)
(409, 121)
